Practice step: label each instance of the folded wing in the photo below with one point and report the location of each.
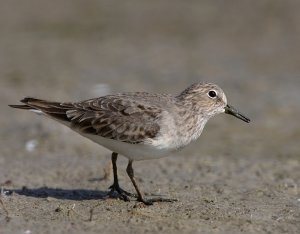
(110, 116)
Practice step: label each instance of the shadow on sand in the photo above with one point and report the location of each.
(58, 193)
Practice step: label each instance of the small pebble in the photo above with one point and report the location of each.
(31, 145)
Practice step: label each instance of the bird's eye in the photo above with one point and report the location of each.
(212, 94)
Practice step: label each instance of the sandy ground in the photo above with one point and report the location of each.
(236, 178)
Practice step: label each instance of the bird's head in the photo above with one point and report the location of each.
(209, 100)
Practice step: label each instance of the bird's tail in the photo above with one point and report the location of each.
(55, 110)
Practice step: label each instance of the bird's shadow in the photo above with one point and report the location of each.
(58, 193)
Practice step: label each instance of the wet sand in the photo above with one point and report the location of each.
(236, 178)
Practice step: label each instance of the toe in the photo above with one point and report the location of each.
(146, 202)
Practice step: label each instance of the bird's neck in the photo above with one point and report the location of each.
(191, 120)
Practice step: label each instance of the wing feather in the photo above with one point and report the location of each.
(121, 117)
(115, 118)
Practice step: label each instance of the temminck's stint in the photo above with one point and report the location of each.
(139, 125)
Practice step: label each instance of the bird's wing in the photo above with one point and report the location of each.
(113, 117)
(116, 118)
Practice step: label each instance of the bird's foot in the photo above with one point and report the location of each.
(150, 201)
(117, 192)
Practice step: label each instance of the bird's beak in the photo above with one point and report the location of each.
(232, 111)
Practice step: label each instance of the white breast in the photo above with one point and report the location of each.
(130, 151)
(174, 136)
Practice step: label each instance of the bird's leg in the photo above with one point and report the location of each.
(115, 186)
(140, 196)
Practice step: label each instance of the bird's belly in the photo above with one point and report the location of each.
(131, 151)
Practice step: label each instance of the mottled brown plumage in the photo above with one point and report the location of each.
(113, 116)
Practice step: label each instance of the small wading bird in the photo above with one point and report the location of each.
(139, 125)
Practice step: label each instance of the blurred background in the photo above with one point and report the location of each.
(74, 50)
